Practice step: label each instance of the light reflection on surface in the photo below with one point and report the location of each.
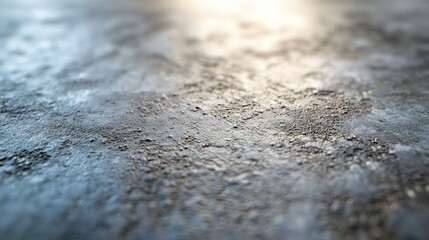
(258, 43)
(299, 44)
(256, 36)
(228, 25)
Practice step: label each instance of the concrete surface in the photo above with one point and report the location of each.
(204, 119)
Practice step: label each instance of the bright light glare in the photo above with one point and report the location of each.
(225, 26)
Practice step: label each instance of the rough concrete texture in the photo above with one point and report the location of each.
(204, 119)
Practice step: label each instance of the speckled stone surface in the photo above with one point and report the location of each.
(203, 119)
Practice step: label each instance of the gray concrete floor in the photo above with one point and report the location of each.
(204, 119)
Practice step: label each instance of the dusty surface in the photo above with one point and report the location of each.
(214, 120)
